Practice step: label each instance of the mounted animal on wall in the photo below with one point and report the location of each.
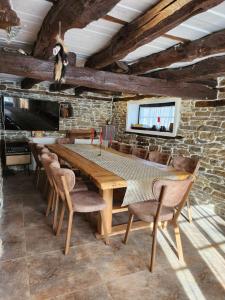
(61, 61)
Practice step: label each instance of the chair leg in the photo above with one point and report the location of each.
(154, 241)
(38, 177)
(53, 200)
(55, 213)
(106, 237)
(61, 220)
(131, 217)
(69, 230)
(178, 242)
(189, 211)
(50, 196)
(35, 174)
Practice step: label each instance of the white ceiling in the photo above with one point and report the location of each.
(95, 36)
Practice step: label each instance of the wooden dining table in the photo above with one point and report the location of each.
(106, 182)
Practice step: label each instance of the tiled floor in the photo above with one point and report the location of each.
(33, 266)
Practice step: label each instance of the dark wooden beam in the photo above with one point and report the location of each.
(166, 35)
(209, 45)
(156, 21)
(215, 103)
(61, 96)
(27, 66)
(8, 17)
(71, 14)
(28, 83)
(80, 90)
(212, 67)
(57, 88)
(136, 97)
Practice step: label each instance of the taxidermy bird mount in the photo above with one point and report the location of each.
(61, 59)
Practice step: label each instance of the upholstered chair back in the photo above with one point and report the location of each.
(176, 191)
(64, 140)
(58, 173)
(125, 148)
(140, 152)
(186, 164)
(115, 145)
(47, 159)
(35, 149)
(159, 157)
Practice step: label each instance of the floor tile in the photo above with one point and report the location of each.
(53, 273)
(14, 280)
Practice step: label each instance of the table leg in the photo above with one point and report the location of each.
(107, 195)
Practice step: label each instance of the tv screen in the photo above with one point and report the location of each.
(30, 114)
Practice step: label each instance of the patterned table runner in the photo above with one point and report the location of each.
(138, 175)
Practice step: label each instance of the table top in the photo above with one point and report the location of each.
(103, 178)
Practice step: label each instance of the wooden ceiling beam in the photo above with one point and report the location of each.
(28, 66)
(28, 83)
(80, 90)
(208, 45)
(168, 36)
(156, 21)
(71, 14)
(212, 67)
(8, 17)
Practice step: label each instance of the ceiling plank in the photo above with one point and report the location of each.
(208, 45)
(153, 23)
(212, 67)
(28, 66)
(8, 16)
(71, 14)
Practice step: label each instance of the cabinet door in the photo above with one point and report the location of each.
(12, 160)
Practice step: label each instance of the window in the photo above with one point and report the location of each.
(157, 116)
(153, 116)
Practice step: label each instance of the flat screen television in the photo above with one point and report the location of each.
(30, 114)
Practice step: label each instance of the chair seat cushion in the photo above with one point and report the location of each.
(87, 201)
(146, 211)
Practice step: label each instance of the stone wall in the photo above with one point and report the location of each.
(87, 112)
(203, 135)
(1, 186)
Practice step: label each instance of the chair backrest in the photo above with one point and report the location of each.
(115, 145)
(64, 181)
(186, 164)
(176, 191)
(47, 159)
(140, 152)
(159, 157)
(35, 151)
(125, 148)
(44, 150)
(64, 140)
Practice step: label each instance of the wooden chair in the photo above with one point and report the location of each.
(169, 199)
(47, 159)
(115, 145)
(159, 157)
(140, 152)
(64, 140)
(75, 201)
(190, 165)
(125, 148)
(36, 151)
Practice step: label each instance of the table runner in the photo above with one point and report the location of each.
(138, 175)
